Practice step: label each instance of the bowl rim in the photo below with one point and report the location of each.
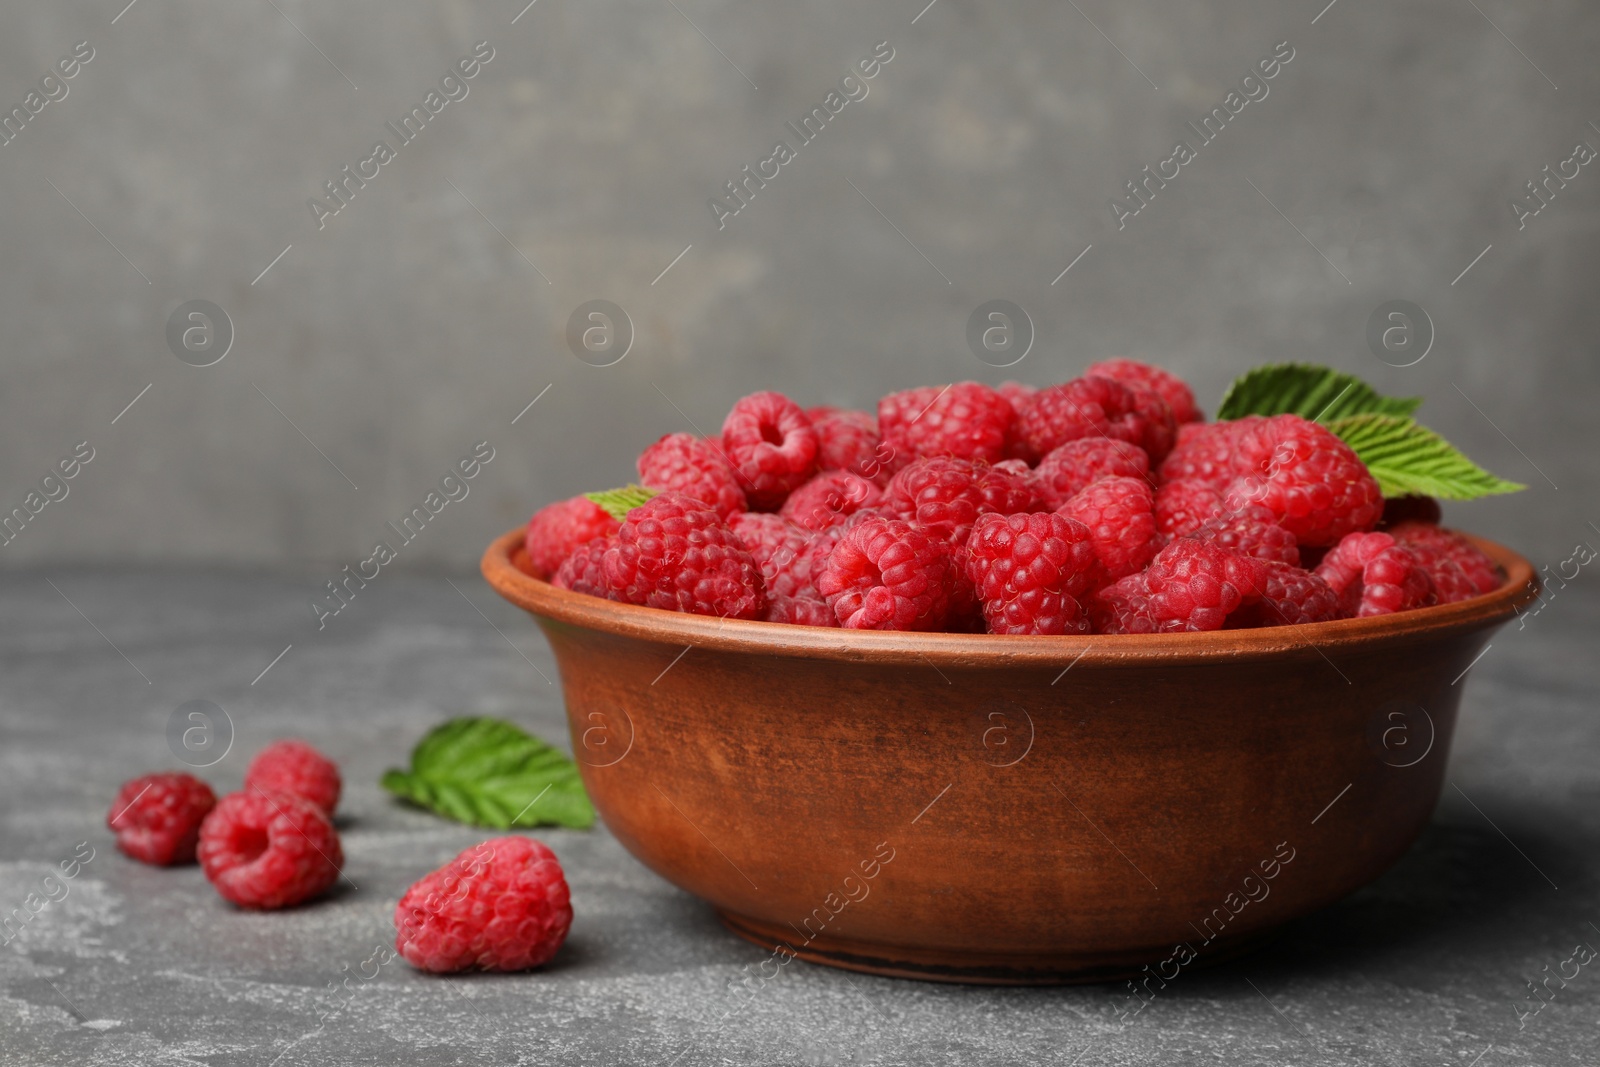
(500, 567)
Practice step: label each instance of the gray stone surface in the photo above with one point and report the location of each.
(138, 965)
(409, 328)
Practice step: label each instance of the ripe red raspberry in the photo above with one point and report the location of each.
(1290, 597)
(157, 817)
(1208, 452)
(1185, 505)
(1190, 585)
(674, 553)
(1435, 546)
(559, 528)
(780, 549)
(1373, 574)
(684, 463)
(772, 447)
(269, 850)
(1098, 407)
(1123, 607)
(810, 562)
(945, 495)
(1450, 582)
(848, 441)
(799, 611)
(1020, 397)
(967, 420)
(1070, 468)
(830, 498)
(1163, 383)
(1410, 508)
(292, 766)
(886, 574)
(1253, 530)
(1030, 571)
(1120, 515)
(584, 571)
(502, 905)
(1311, 480)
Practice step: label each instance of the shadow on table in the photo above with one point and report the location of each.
(1462, 890)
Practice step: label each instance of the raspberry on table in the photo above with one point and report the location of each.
(673, 552)
(1291, 596)
(799, 611)
(556, 530)
(1030, 571)
(967, 420)
(502, 905)
(157, 817)
(1168, 386)
(848, 440)
(887, 574)
(1373, 574)
(1185, 505)
(780, 549)
(1098, 407)
(1436, 546)
(772, 447)
(945, 495)
(1196, 585)
(269, 850)
(1311, 480)
(829, 498)
(293, 766)
(1070, 468)
(684, 463)
(1253, 530)
(1120, 516)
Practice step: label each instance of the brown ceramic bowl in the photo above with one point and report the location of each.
(975, 808)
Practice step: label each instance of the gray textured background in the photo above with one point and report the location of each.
(408, 328)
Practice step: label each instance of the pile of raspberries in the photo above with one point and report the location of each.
(1105, 504)
(502, 905)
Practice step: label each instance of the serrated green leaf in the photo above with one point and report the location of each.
(1407, 458)
(1318, 393)
(486, 772)
(618, 502)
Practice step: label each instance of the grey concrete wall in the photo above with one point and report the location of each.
(426, 314)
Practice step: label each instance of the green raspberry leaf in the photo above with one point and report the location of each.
(1407, 458)
(486, 772)
(1318, 393)
(618, 502)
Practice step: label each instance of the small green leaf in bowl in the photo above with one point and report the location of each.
(1407, 458)
(1317, 393)
(618, 502)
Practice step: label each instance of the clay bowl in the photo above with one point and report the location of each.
(1016, 810)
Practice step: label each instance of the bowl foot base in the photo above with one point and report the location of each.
(977, 967)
